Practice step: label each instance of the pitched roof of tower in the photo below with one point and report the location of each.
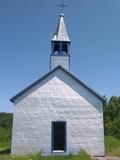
(61, 31)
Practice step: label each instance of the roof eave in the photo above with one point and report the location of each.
(61, 40)
(36, 82)
(33, 84)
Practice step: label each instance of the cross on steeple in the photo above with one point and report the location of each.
(62, 6)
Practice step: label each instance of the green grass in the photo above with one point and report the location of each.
(82, 155)
(112, 146)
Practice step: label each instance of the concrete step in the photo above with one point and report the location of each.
(112, 158)
(106, 158)
(99, 158)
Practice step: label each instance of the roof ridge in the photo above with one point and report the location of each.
(40, 79)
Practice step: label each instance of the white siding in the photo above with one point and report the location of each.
(60, 60)
(58, 97)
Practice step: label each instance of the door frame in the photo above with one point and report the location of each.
(52, 134)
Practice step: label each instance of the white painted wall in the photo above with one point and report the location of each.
(58, 97)
(60, 60)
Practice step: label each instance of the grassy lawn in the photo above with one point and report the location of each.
(81, 156)
(112, 146)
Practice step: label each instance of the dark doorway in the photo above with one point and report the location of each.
(59, 136)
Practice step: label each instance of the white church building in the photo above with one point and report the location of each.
(58, 113)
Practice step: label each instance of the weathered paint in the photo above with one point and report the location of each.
(63, 61)
(58, 97)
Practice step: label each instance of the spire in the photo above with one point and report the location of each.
(61, 31)
(60, 46)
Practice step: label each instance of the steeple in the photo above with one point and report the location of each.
(60, 44)
(61, 31)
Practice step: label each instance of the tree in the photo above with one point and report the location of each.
(6, 120)
(112, 117)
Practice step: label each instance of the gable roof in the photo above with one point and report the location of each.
(61, 31)
(50, 72)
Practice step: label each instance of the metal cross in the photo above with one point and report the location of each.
(62, 5)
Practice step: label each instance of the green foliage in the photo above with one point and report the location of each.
(22, 157)
(5, 130)
(82, 155)
(6, 120)
(5, 138)
(112, 146)
(112, 117)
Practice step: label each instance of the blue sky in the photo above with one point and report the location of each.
(26, 28)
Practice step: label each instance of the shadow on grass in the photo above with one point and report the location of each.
(7, 151)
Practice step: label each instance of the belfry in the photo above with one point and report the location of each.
(60, 44)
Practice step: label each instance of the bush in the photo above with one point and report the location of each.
(83, 155)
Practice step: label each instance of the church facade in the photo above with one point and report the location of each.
(58, 114)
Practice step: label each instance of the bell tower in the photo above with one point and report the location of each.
(60, 46)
